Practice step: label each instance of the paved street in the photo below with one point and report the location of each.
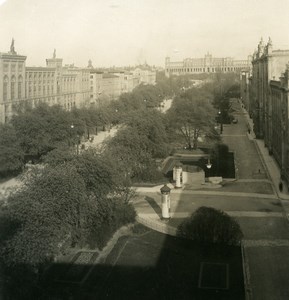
(259, 212)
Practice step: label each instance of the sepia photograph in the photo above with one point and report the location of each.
(144, 150)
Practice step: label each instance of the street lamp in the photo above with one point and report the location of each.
(221, 121)
(77, 142)
(209, 166)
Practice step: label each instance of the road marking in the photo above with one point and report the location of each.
(255, 214)
(241, 214)
(235, 135)
(266, 243)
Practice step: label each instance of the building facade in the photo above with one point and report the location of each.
(268, 102)
(67, 86)
(208, 64)
(107, 86)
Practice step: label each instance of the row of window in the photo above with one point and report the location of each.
(12, 90)
(191, 70)
(42, 90)
(31, 75)
(13, 78)
(13, 67)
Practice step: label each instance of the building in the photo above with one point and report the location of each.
(107, 86)
(268, 102)
(12, 81)
(244, 88)
(67, 86)
(208, 64)
(145, 76)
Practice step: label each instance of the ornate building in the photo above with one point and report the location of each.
(67, 86)
(208, 64)
(268, 102)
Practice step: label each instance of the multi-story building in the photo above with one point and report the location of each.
(145, 76)
(12, 81)
(244, 88)
(268, 102)
(107, 86)
(67, 86)
(208, 64)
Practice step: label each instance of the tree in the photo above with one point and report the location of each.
(150, 125)
(11, 153)
(43, 128)
(209, 225)
(193, 115)
(220, 157)
(131, 152)
(47, 210)
(98, 174)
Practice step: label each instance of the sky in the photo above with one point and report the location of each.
(130, 32)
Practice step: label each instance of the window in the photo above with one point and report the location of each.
(19, 89)
(5, 88)
(12, 87)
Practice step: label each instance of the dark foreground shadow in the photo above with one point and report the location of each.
(149, 265)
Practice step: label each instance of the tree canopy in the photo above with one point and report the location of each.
(193, 115)
(210, 225)
(42, 129)
(11, 153)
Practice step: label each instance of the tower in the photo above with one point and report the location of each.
(12, 81)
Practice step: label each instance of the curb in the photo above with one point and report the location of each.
(156, 225)
(265, 167)
(246, 272)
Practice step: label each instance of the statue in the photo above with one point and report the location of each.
(90, 64)
(12, 50)
(54, 53)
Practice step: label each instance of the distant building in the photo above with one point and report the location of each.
(145, 76)
(208, 64)
(269, 100)
(107, 86)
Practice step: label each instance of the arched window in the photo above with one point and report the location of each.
(12, 87)
(20, 79)
(5, 88)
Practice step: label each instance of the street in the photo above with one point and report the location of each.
(258, 211)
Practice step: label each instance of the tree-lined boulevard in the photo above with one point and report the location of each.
(83, 194)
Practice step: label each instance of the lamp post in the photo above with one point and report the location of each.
(221, 121)
(209, 166)
(77, 142)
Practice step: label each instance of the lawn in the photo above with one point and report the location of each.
(151, 265)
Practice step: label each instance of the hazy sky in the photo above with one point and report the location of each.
(128, 32)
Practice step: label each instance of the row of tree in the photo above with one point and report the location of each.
(80, 200)
(73, 200)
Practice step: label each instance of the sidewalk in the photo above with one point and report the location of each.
(98, 139)
(269, 162)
